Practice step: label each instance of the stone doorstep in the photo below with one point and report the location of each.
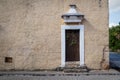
(72, 64)
(73, 69)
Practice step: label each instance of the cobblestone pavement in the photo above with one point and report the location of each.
(83, 77)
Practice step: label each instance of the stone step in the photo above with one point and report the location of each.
(72, 64)
(73, 69)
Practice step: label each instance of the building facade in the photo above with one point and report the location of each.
(34, 36)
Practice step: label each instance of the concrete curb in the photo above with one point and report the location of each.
(52, 74)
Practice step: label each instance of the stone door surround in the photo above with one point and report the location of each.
(81, 42)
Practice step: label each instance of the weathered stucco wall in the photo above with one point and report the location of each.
(30, 32)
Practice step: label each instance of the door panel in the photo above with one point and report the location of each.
(72, 45)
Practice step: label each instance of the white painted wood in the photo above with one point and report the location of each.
(81, 42)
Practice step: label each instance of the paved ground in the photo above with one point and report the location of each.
(36, 75)
(83, 77)
(115, 59)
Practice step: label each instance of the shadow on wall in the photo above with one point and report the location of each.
(94, 34)
(88, 26)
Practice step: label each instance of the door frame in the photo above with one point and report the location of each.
(63, 42)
